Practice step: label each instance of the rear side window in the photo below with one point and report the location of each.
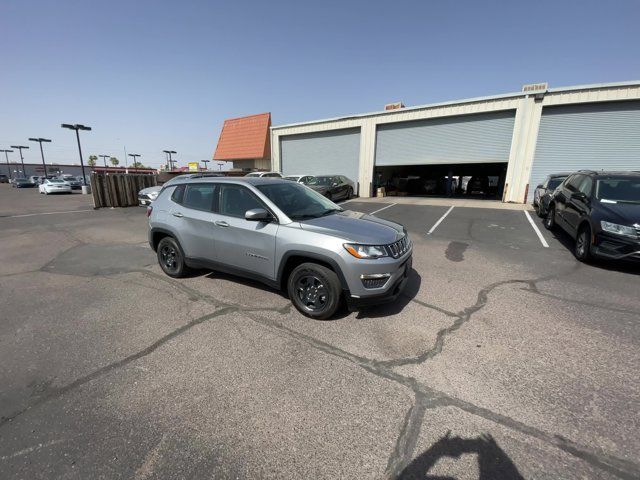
(178, 194)
(199, 196)
(235, 200)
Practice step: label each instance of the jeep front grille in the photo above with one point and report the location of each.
(399, 248)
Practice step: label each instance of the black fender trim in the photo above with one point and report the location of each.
(194, 262)
(311, 256)
(155, 230)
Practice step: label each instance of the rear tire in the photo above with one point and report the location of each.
(582, 249)
(171, 258)
(349, 193)
(314, 290)
(550, 219)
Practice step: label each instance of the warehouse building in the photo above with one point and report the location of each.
(509, 141)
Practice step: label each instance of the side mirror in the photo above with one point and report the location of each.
(257, 215)
(539, 186)
(334, 184)
(578, 196)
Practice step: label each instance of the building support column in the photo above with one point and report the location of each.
(367, 157)
(523, 147)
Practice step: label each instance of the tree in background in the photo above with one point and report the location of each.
(114, 161)
(92, 160)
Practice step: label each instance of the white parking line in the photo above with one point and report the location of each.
(440, 220)
(383, 208)
(538, 232)
(47, 213)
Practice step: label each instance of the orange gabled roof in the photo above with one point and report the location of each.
(244, 138)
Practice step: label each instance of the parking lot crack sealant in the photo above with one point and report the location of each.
(426, 398)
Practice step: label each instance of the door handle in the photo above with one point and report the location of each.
(177, 214)
(221, 223)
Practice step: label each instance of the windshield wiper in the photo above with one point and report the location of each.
(330, 211)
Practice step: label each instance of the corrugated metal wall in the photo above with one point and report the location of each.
(321, 153)
(480, 138)
(588, 136)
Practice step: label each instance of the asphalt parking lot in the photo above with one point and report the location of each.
(506, 358)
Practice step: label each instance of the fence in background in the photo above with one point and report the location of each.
(119, 189)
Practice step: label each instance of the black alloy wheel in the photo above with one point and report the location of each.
(583, 244)
(314, 290)
(550, 219)
(170, 258)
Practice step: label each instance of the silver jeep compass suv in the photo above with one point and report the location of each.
(283, 234)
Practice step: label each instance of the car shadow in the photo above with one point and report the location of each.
(393, 308)
(342, 312)
(622, 266)
(493, 462)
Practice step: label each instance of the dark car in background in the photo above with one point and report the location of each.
(601, 211)
(4, 179)
(478, 185)
(22, 183)
(542, 193)
(334, 187)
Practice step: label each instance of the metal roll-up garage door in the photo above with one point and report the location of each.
(602, 136)
(334, 152)
(478, 138)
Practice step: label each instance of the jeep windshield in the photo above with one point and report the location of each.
(618, 190)
(297, 201)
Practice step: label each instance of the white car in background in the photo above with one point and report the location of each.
(304, 179)
(264, 174)
(147, 195)
(54, 185)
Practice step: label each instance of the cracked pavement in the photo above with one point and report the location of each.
(502, 360)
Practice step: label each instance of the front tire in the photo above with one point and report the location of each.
(550, 219)
(314, 290)
(582, 249)
(171, 258)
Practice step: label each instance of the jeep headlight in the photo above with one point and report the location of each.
(618, 229)
(366, 251)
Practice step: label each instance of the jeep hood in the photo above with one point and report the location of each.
(356, 227)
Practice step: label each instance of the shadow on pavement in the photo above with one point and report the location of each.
(622, 266)
(493, 462)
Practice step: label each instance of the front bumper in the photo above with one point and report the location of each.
(390, 292)
(616, 247)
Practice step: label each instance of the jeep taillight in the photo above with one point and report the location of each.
(149, 210)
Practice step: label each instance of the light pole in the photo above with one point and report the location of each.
(104, 159)
(6, 155)
(20, 147)
(169, 152)
(77, 127)
(135, 161)
(206, 169)
(40, 140)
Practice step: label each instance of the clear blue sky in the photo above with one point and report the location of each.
(165, 74)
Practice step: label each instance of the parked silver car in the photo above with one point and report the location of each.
(283, 234)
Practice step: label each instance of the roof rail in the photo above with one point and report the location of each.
(587, 171)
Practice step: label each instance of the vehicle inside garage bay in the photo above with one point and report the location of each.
(499, 147)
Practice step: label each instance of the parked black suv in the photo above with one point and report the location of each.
(601, 211)
(544, 191)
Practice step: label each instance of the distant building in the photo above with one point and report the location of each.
(246, 142)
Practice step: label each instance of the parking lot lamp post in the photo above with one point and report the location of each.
(104, 159)
(205, 165)
(135, 161)
(20, 147)
(40, 140)
(169, 152)
(77, 127)
(6, 156)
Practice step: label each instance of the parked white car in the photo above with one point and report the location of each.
(54, 185)
(263, 174)
(147, 195)
(299, 178)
